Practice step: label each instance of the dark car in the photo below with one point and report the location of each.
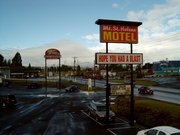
(34, 85)
(6, 83)
(98, 110)
(145, 90)
(72, 88)
(7, 100)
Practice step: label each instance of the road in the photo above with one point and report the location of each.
(55, 112)
(168, 89)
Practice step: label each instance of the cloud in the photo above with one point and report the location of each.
(67, 34)
(115, 5)
(91, 37)
(67, 48)
(174, 22)
(155, 19)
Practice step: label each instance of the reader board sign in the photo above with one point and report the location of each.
(120, 89)
(118, 58)
(118, 34)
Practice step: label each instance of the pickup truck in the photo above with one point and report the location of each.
(7, 100)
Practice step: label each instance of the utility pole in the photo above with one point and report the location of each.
(94, 74)
(74, 65)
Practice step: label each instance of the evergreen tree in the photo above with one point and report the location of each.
(5, 63)
(78, 70)
(9, 62)
(29, 67)
(1, 60)
(16, 61)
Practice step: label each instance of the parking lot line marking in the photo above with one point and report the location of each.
(91, 118)
(111, 131)
(122, 120)
(118, 123)
(70, 115)
(121, 128)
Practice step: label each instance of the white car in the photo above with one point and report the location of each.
(98, 110)
(160, 130)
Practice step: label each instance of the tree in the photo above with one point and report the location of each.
(65, 68)
(9, 62)
(16, 61)
(1, 60)
(138, 70)
(29, 67)
(5, 63)
(78, 70)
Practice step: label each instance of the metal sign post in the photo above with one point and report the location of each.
(132, 93)
(107, 91)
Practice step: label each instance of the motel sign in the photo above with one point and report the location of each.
(121, 34)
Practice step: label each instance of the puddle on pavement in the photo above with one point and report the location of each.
(50, 95)
(89, 93)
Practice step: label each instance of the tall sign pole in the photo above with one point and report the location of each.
(45, 76)
(49, 55)
(59, 74)
(107, 90)
(115, 31)
(132, 92)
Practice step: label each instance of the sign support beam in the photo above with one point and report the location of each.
(132, 92)
(45, 76)
(59, 74)
(107, 91)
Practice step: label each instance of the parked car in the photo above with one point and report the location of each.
(34, 85)
(7, 100)
(72, 88)
(145, 90)
(160, 130)
(98, 110)
(6, 83)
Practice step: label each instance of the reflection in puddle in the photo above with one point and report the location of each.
(88, 92)
(50, 95)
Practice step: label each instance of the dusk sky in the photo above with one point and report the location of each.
(30, 27)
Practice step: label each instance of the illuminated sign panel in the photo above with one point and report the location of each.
(119, 34)
(120, 89)
(118, 58)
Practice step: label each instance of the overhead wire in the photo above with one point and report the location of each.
(165, 40)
